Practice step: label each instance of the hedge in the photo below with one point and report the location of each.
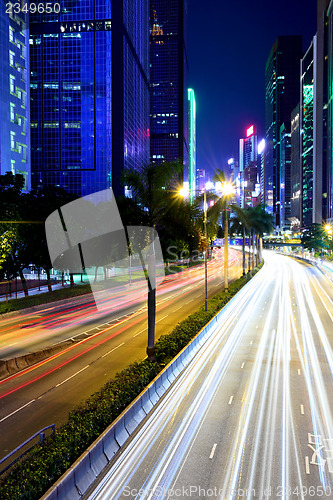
(30, 478)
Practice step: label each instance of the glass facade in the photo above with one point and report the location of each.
(14, 95)
(307, 94)
(330, 115)
(74, 64)
(285, 168)
(282, 95)
(168, 73)
(295, 169)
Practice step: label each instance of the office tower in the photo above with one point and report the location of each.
(282, 95)
(89, 94)
(261, 171)
(168, 76)
(307, 136)
(329, 100)
(295, 170)
(202, 179)
(14, 94)
(192, 164)
(248, 166)
(285, 187)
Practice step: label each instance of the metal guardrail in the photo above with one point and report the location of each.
(41, 435)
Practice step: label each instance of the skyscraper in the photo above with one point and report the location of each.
(282, 95)
(248, 166)
(89, 93)
(295, 169)
(307, 136)
(168, 75)
(329, 20)
(14, 94)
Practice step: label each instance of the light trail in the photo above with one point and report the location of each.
(281, 434)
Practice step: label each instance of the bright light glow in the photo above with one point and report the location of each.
(328, 228)
(209, 186)
(250, 131)
(227, 189)
(184, 191)
(231, 161)
(261, 146)
(218, 186)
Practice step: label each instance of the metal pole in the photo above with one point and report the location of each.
(206, 274)
(226, 250)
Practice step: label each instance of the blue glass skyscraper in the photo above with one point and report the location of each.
(14, 94)
(89, 93)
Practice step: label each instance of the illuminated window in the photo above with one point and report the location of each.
(12, 140)
(12, 84)
(12, 112)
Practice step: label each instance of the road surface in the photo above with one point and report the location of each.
(105, 343)
(251, 417)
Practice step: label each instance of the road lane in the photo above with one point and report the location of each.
(252, 416)
(45, 392)
(54, 323)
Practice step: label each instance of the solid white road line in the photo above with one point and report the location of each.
(82, 369)
(307, 465)
(113, 349)
(213, 451)
(13, 412)
(162, 318)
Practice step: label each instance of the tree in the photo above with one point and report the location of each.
(315, 238)
(155, 203)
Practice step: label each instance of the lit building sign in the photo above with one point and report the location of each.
(230, 161)
(250, 131)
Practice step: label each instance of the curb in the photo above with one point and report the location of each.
(11, 366)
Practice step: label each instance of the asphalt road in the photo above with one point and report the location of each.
(251, 417)
(105, 343)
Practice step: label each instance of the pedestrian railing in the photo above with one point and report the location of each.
(41, 435)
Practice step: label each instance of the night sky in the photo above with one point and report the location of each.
(228, 45)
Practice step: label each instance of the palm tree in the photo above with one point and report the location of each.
(155, 202)
(261, 222)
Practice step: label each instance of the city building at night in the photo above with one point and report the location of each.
(285, 167)
(89, 94)
(169, 139)
(307, 136)
(295, 170)
(248, 166)
(329, 24)
(282, 77)
(14, 95)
